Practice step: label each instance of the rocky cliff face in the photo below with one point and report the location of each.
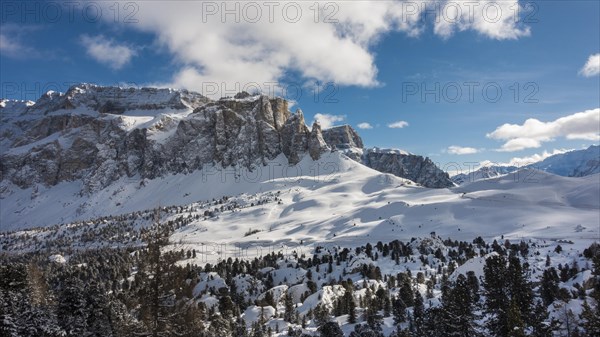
(416, 168)
(101, 134)
(343, 137)
(399, 163)
(115, 100)
(316, 143)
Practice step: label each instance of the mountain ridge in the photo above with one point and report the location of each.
(575, 163)
(100, 134)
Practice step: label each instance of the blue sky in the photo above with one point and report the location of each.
(380, 57)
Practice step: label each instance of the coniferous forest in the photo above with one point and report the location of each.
(152, 289)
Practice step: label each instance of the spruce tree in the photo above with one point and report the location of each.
(540, 326)
(590, 319)
(549, 286)
(418, 313)
(350, 305)
(399, 310)
(520, 289)
(514, 323)
(330, 329)
(459, 319)
(155, 276)
(496, 301)
(288, 315)
(71, 311)
(100, 311)
(434, 323)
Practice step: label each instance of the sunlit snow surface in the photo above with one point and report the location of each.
(330, 201)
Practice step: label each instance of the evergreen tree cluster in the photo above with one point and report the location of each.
(151, 291)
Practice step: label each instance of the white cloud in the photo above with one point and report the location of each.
(591, 67)
(518, 144)
(496, 19)
(397, 125)
(10, 47)
(532, 133)
(364, 125)
(11, 41)
(107, 52)
(213, 48)
(327, 120)
(460, 150)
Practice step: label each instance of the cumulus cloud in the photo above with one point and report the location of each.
(496, 19)
(398, 125)
(460, 150)
(364, 125)
(107, 51)
(533, 132)
(591, 67)
(235, 44)
(327, 120)
(518, 144)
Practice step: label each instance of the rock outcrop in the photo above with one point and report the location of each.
(316, 143)
(99, 135)
(96, 134)
(399, 163)
(416, 168)
(343, 137)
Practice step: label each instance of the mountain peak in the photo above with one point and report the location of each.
(87, 97)
(100, 134)
(342, 137)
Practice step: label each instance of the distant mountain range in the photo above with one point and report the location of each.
(577, 163)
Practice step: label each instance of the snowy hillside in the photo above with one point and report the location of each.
(336, 200)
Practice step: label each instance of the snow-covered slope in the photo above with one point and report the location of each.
(376, 207)
(332, 200)
(66, 154)
(397, 162)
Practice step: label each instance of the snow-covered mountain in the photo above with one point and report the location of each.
(101, 134)
(576, 163)
(92, 139)
(211, 201)
(484, 172)
(397, 162)
(97, 151)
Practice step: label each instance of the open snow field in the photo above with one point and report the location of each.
(332, 201)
